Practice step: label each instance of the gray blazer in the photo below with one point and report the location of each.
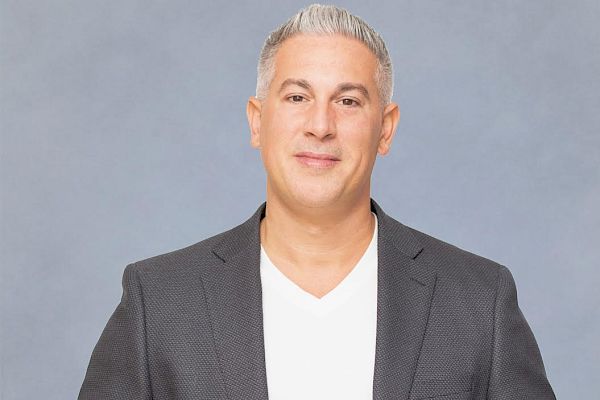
(190, 326)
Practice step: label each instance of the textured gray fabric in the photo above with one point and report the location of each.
(189, 325)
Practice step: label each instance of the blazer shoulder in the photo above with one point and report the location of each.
(181, 261)
(453, 262)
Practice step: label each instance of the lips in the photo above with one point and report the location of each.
(317, 160)
(317, 156)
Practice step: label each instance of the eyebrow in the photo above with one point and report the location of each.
(303, 83)
(349, 86)
(341, 88)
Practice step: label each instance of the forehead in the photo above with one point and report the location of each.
(327, 57)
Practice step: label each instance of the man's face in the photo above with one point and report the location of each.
(322, 123)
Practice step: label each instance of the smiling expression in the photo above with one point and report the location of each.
(322, 123)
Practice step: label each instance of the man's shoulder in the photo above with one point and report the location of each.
(183, 260)
(448, 261)
(210, 252)
(455, 263)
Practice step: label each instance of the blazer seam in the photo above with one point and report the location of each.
(212, 329)
(144, 321)
(412, 384)
(493, 347)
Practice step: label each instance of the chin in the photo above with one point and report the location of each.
(315, 198)
(308, 192)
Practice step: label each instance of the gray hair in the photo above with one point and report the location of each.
(326, 20)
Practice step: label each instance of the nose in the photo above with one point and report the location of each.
(320, 121)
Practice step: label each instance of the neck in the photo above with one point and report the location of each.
(310, 239)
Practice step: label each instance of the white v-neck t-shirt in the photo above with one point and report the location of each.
(321, 349)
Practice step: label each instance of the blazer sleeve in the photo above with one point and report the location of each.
(118, 367)
(517, 370)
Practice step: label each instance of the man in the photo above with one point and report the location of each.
(320, 294)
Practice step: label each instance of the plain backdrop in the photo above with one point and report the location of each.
(124, 136)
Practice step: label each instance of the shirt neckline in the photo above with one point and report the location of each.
(335, 297)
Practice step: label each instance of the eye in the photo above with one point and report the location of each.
(296, 98)
(349, 102)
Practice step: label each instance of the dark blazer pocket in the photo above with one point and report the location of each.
(451, 388)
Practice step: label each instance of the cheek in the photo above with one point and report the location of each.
(352, 119)
(361, 140)
(275, 142)
(278, 130)
(360, 134)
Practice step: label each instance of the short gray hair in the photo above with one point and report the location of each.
(320, 19)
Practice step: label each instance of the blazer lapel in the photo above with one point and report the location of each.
(234, 297)
(404, 293)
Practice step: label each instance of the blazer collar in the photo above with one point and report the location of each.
(234, 296)
(248, 234)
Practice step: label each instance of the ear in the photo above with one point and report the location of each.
(253, 110)
(391, 116)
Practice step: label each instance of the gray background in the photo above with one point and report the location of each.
(124, 136)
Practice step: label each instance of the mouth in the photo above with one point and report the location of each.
(318, 160)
